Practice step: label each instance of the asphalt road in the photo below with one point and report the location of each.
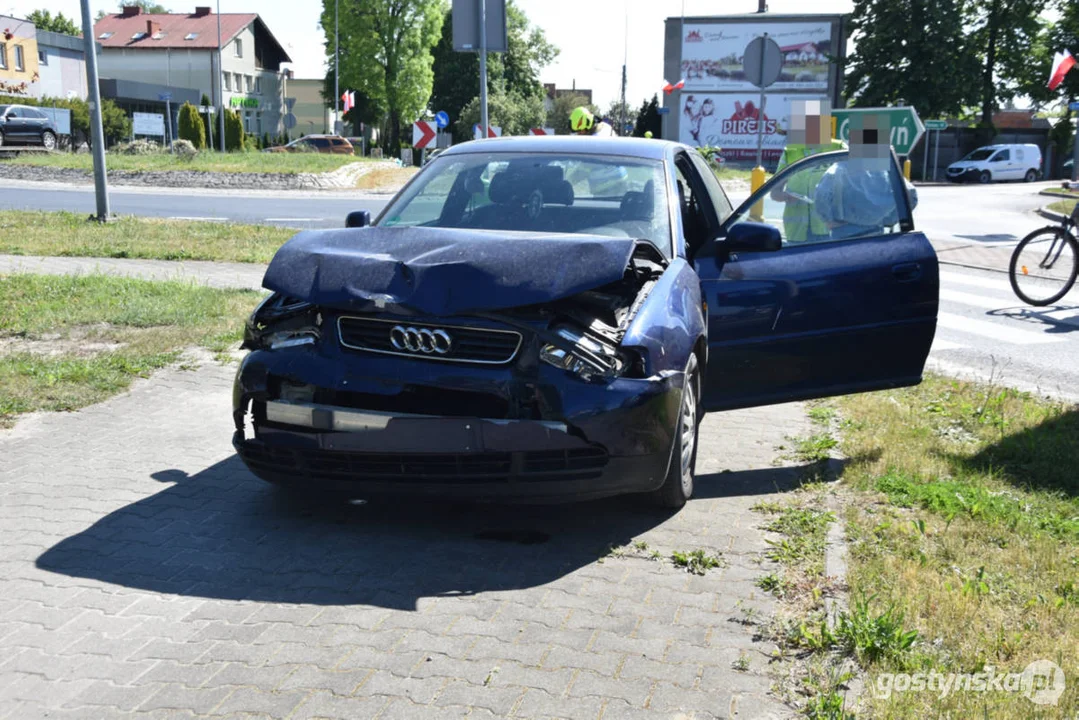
(983, 331)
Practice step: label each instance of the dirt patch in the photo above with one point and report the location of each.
(81, 341)
(385, 179)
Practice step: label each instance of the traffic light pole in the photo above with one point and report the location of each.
(97, 133)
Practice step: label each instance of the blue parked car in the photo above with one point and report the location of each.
(550, 318)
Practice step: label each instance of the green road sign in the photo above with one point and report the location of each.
(936, 124)
(905, 127)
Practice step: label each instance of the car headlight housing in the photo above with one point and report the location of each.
(281, 322)
(583, 355)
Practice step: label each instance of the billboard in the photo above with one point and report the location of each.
(730, 121)
(712, 54)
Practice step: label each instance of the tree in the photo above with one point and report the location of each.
(58, 23)
(457, 74)
(234, 131)
(913, 51)
(191, 127)
(514, 113)
(615, 112)
(558, 116)
(386, 54)
(649, 119)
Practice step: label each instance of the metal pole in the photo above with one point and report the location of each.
(97, 133)
(925, 161)
(936, 156)
(484, 129)
(1075, 154)
(220, 84)
(168, 124)
(336, 67)
(760, 112)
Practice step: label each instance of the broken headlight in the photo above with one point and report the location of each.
(281, 322)
(582, 355)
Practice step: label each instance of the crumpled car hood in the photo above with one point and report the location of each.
(438, 271)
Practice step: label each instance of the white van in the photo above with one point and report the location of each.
(998, 162)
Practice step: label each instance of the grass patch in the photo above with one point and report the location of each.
(697, 562)
(238, 162)
(805, 532)
(965, 527)
(70, 235)
(144, 326)
(815, 448)
(1064, 207)
(730, 174)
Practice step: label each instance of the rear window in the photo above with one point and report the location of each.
(340, 142)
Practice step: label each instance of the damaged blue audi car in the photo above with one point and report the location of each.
(549, 319)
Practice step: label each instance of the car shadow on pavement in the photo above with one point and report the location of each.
(221, 533)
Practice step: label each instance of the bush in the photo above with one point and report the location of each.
(234, 131)
(184, 150)
(138, 147)
(191, 126)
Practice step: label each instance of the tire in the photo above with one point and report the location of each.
(1031, 175)
(48, 140)
(985, 178)
(677, 488)
(1058, 280)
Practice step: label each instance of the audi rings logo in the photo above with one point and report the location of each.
(420, 340)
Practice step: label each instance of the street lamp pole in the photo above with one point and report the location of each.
(336, 66)
(97, 133)
(220, 84)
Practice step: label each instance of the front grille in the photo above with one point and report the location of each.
(470, 344)
(434, 468)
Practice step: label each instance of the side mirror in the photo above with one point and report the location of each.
(752, 237)
(358, 219)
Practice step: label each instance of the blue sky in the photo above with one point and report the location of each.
(591, 35)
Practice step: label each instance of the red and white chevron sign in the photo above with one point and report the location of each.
(423, 134)
(541, 131)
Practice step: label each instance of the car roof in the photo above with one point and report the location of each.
(570, 144)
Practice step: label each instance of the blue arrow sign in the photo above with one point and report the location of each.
(442, 119)
(1073, 106)
(663, 111)
(164, 97)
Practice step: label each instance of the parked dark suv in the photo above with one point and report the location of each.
(26, 125)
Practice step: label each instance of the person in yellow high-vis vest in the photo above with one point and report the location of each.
(810, 134)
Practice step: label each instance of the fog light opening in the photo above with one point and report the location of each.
(357, 501)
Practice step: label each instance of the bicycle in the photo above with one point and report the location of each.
(1045, 263)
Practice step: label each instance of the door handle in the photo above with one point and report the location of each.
(907, 272)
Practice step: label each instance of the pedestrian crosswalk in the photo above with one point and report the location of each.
(980, 310)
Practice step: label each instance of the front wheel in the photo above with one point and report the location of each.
(678, 487)
(48, 139)
(1044, 266)
(985, 177)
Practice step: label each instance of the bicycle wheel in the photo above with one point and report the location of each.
(1044, 266)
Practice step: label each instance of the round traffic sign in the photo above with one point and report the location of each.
(289, 121)
(762, 61)
(442, 119)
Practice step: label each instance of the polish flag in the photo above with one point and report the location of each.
(1062, 63)
(669, 88)
(349, 100)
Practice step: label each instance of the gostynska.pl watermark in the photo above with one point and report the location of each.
(1041, 682)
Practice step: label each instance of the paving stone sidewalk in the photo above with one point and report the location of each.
(145, 573)
(215, 274)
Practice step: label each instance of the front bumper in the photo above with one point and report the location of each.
(584, 440)
(965, 175)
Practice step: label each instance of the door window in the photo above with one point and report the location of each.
(1001, 156)
(696, 222)
(831, 198)
(712, 187)
(13, 113)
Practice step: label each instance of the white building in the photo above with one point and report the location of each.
(145, 57)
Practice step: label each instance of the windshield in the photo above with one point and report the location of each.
(980, 154)
(539, 192)
(3, 109)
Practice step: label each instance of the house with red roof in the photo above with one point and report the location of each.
(145, 58)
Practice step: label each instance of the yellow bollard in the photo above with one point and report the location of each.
(756, 182)
(835, 126)
(906, 169)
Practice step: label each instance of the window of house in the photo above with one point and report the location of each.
(228, 82)
(258, 84)
(238, 82)
(191, 36)
(42, 57)
(18, 58)
(138, 36)
(104, 36)
(239, 48)
(3, 56)
(249, 83)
